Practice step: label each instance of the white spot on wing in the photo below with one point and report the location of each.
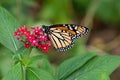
(76, 27)
(70, 28)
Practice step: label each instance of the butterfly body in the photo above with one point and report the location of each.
(63, 35)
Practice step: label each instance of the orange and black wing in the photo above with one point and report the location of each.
(75, 30)
(61, 40)
(63, 35)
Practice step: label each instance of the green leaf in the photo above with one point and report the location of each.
(22, 55)
(98, 68)
(36, 58)
(92, 76)
(8, 25)
(24, 52)
(46, 66)
(38, 74)
(14, 74)
(69, 66)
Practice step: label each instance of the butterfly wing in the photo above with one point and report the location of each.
(76, 31)
(61, 40)
(63, 35)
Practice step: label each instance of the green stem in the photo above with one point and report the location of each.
(24, 72)
(23, 68)
(19, 7)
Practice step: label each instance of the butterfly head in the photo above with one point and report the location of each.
(45, 29)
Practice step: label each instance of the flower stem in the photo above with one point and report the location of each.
(23, 68)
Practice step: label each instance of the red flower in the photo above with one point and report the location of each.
(37, 30)
(22, 28)
(43, 38)
(30, 38)
(16, 33)
(34, 42)
(26, 33)
(44, 47)
(27, 45)
(36, 38)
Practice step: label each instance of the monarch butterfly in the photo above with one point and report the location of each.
(63, 35)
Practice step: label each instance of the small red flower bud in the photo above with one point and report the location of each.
(34, 42)
(16, 33)
(30, 38)
(45, 47)
(27, 45)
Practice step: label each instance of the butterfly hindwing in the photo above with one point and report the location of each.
(63, 35)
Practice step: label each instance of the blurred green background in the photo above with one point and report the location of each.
(102, 17)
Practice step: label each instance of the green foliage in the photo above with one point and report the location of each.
(19, 9)
(81, 6)
(100, 67)
(108, 10)
(38, 74)
(6, 61)
(56, 11)
(69, 66)
(78, 48)
(23, 51)
(7, 26)
(85, 67)
(36, 58)
(22, 55)
(46, 66)
(82, 67)
(15, 73)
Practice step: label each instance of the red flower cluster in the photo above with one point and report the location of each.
(34, 38)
